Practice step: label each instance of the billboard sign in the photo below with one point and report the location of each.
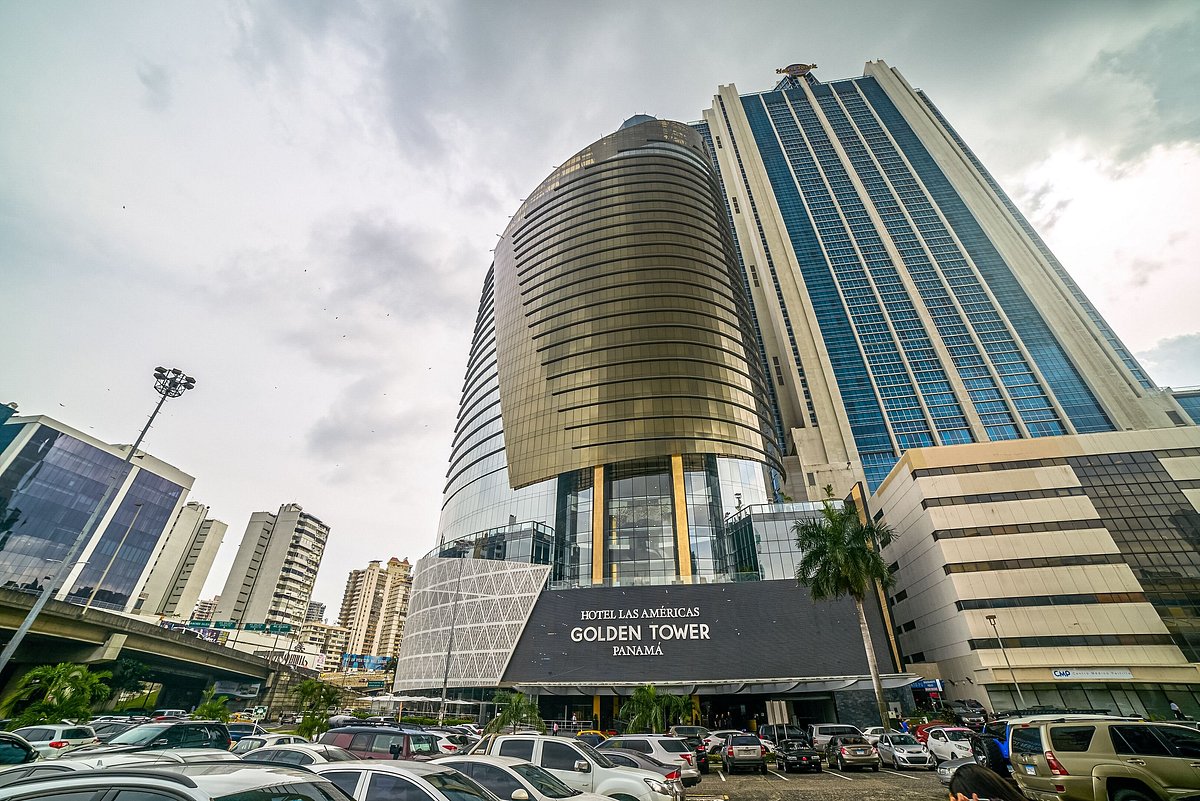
(703, 632)
(364, 662)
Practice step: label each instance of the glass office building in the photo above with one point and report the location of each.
(52, 479)
(903, 299)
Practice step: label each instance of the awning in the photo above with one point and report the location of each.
(772, 687)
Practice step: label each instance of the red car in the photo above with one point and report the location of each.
(922, 732)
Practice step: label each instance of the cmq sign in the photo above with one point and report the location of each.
(706, 632)
(1092, 674)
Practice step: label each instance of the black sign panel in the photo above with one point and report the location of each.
(707, 632)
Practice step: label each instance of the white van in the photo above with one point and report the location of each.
(160, 714)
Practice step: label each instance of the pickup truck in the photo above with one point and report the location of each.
(582, 767)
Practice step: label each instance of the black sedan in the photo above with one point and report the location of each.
(797, 755)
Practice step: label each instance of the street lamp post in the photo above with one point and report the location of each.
(1020, 698)
(100, 581)
(168, 383)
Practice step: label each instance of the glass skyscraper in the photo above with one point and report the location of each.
(902, 299)
(52, 479)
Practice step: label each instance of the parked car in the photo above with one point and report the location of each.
(16, 750)
(845, 751)
(744, 750)
(256, 741)
(288, 719)
(688, 731)
(797, 755)
(950, 742)
(505, 776)
(166, 734)
(383, 742)
(408, 781)
(922, 731)
(303, 754)
(696, 743)
(903, 751)
(820, 733)
(945, 770)
(627, 758)
(666, 749)
(108, 729)
(873, 733)
(183, 782)
(1105, 760)
(990, 746)
(580, 766)
(778, 732)
(716, 739)
(139, 759)
(54, 740)
(591, 738)
(970, 714)
(239, 730)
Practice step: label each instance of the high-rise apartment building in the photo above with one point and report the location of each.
(687, 326)
(903, 300)
(374, 607)
(315, 613)
(184, 561)
(52, 477)
(272, 577)
(206, 609)
(326, 640)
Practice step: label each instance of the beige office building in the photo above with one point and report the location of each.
(375, 606)
(1081, 550)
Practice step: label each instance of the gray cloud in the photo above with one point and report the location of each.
(1174, 361)
(157, 85)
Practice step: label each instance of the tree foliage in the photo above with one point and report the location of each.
(65, 691)
(516, 710)
(652, 711)
(842, 554)
(315, 699)
(212, 706)
(128, 675)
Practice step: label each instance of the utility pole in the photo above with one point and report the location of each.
(992, 619)
(450, 640)
(169, 384)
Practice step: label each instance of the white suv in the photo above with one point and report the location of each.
(54, 740)
(819, 733)
(580, 766)
(672, 751)
(203, 781)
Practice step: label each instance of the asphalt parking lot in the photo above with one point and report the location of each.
(828, 785)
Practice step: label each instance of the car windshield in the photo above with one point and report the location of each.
(904, 739)
(544, 781)
(455, 786)
(293, 791)
(851, 739)
(597, 757)
(334, 754)
(675, 746)
(951, 734)
(743, 739)
(793, 745)
(834, 730)
(140, 735)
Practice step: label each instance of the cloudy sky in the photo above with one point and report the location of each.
(295, 201)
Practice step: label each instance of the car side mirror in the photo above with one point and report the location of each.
(520, 795)
(394, 750)
(583, 766)
(161, 743)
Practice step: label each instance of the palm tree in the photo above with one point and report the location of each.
(516, 709)
(644, 710)
(676, 709)
(315, 699)
(212, 708)
(843, 555)
(59, 692)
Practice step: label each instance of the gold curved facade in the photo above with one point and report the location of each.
(623, 331)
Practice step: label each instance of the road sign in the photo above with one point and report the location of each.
(224, 624)
(376, 685)
(280, 628)
(199, 624)
(255, 627)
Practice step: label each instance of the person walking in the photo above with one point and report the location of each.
(1176, 711)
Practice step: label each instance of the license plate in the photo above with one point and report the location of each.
(1031, 770)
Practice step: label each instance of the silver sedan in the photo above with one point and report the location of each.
(903, 751)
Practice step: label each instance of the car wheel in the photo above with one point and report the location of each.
(875, 767)
(987, 753)
(841, 764)
(763, 769)
(817, 769)
(1130, 794)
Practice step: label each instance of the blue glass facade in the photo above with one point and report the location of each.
(930, 336)
(1191, 405)
(48, 491)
